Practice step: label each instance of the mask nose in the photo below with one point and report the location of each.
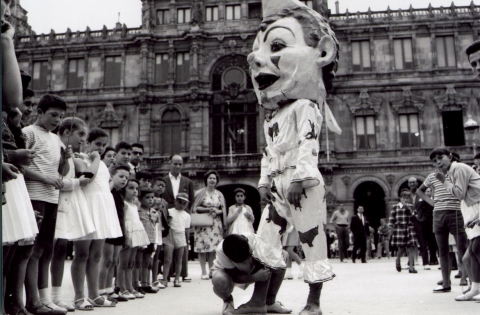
(255, 60)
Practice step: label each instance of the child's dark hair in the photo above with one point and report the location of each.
(145, 191)
(130, 180)
(28, 93)
(123, 145)
(159, 179)
(143, 175)
(102, 156)
(239, 190)
(71, 124)
(405, 193)
(48, 101)
(138, 145)
(119, 168)
(439, 151)
(96, 133)
(236, 248)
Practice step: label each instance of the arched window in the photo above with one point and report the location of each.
(170, 133)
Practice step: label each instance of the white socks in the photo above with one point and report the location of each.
(45, 299)
(288, 274)
(56, 294)
(473, 293)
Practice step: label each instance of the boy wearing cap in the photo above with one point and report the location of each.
(175, 242)
(473, 54)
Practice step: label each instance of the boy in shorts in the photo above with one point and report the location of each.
(175, 242)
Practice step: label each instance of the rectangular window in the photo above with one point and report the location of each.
(409, 134)
(445, 51)
(365, 126)
(453, 132)
(113, 71)
(211, 14)
(361, 56)
(183, 67)
(162, 17)
(183, 15)
(403, 54)
(161, 68)
(308, 3)
(233, 12)
(255, 10)
(40, 74)
(76, 73)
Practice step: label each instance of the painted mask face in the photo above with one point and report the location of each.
(474, 59)
(283, 66)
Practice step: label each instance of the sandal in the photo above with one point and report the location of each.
(101, 301)
(83, 305)
(68, 307)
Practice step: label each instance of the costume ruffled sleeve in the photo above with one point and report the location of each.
(308, 121)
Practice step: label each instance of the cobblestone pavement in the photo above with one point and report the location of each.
(371, 288)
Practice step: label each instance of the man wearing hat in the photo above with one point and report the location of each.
(473, 54)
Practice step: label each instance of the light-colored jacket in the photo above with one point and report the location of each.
(465, 183)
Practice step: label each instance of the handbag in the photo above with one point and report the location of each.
(201, 219)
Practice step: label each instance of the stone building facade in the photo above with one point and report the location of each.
(179, 84)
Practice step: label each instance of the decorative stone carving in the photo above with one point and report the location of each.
(346, 181)
(328, 179)
(390, 179)
(364, 104)
(330, 198)
(451, 99)
(109, 118)
(408, 102)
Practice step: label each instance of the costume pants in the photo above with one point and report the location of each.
(308, 220)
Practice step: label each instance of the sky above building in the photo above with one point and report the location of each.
(44, 15)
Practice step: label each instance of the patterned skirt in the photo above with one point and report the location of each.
(208, 238)
(403, 235)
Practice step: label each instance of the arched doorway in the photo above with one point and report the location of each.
(405, 185)
(372, 197)
(252, 199)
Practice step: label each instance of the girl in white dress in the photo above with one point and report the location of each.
(240, 216)
(73, 218)
(88, 250)
(135, 237)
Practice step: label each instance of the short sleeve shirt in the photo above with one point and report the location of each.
(180, 219)
(47, 147)
(443, 199)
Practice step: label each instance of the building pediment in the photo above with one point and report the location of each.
(451, 100)
(408, 102)
(364, 104)
(109, 117)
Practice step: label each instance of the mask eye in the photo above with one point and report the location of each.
(276, 46)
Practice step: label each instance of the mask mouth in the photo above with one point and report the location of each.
(264, 80)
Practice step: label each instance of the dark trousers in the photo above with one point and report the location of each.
(359, 242)
(420, 231)
(343, 243)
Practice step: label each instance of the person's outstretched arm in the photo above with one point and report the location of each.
(11, 80)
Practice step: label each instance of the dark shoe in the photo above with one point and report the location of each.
(176, 284)
(186, 279)
(433, 263)
(398, 266)
(149, 289)
(463, 283)
(139, 290)
(412, 271)
(440, 282)
(458, 275)
(364, 261)
(442, 290)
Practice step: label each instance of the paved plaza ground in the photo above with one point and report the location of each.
(364, 289)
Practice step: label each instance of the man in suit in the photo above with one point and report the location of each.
(419, 221)
(175, 183)
(360, 230)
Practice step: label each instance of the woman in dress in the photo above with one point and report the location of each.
(209, 200)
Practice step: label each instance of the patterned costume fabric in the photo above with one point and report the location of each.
(291, 156)
(403, 233)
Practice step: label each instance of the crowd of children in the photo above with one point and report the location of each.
(77, 189)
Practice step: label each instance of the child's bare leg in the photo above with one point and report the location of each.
(136, 271)
(178, 262)
(105, 265)
(167, 261)
(146, 266)
(16, 277)
(156, 263)
(211, 258)
(56, 270)
(129, 272)
(79, 267)
(124, 257)
(202, 258)
(109, 281)
(93, 265)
